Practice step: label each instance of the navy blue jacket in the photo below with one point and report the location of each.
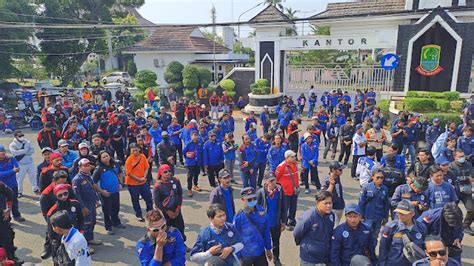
(213, 153)
(276, 156)
(338, 202)
(313, 234)
(82, 185)
(434, 224)
(255, 240)
(432, 133)
(347, 242)
(391, 243)
(374, 202)
(405, 192)
(440, 195)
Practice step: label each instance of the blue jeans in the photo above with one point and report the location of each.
(249, 180)
(145, 192)
(310, 110)
(15, 209)
(411, 150)
(374, 226)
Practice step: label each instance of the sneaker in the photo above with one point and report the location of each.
(46, 253)
(95, 242)
(307, 191)
(204, 174)
(19, 219)
(20, 195)
(190, 193)
(196, 188)
(140, 219)
(121, 226)
(110, 232)
(90, 250)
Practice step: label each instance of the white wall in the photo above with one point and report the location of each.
(145, 61)
(425, 4)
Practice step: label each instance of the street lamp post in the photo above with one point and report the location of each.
(248, 10)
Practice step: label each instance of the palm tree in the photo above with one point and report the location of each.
(291, 14)
(276, 3)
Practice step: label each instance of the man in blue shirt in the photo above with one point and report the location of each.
(409, 140)
(432, 133)
(437, 253)
(253, 225)
(414, 192)
(439, 191)
(333, 184)
(223, 194)
(272, 198)
(263, 145)
(213, 158)
(8, 169)
(352, 239)
(161, 244)
(193, 158)
(398, 134)
(314, 230)
(284, 118)
(310, 154)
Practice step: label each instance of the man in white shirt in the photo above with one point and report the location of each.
(74, 242)
(358, 148)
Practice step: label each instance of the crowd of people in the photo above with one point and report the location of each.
(409, 196)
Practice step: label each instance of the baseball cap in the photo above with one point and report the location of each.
(224, 173)
(248, 193)
(336, 165)
(442, 160)
(84, 161)
(359, 126)
(289, 153)
(55, 155)
(307, 135)
(83, 145)
(121, 108)
(352, 208)
(420, 183)
(269, 176)
(45, 149)
(315, 118)
(63, 142)
(164, 133)
(405, 207)
(2, 148)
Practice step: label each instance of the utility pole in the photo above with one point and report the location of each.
(213, 18)
(214, 33)
(109, 44)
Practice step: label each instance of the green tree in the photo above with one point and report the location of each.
(14, 43)
(276, 3)
(132, 68)
(291, 14)
(145, 79)
(205, 76)
(320, 30)
(64, 58)
(213, 37)
(191, 77)
(174, 75)
(240, 49)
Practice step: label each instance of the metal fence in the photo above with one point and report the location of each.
(329, 78)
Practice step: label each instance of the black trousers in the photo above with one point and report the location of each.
(469, 204)
(6, 238)
(314, 177)
(255, 261)
(193, 176)
(345, 152)
(355, 159)
(330, 145)
(118, 150)
(213, 173)
(261, 172)
(179, 148)
(379, 154)
(47, 241)
(177, 223)
(111, 208)
(275, 232)
(291, 203)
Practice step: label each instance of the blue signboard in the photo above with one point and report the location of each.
(389, 61)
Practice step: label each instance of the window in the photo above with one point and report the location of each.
(220, 67)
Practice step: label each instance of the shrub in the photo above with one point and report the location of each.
(132, 68)
(456, 105)
(190, 77)
(174, 75)
(384, 107)
(419, 104)
(227, 84)
(189, 93)
(145, 79)
(443, 105)
(444, 118)
(231, 93)
(211, 89)
(205, 76)
(262, 82)
(447, 95)
(452, 95)
(260, 87)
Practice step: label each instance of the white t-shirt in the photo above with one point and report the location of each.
(76, 248)
(357, 139)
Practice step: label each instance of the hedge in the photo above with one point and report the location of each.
(420, 104)
(384, 107)
(456, 105)
(447, 95)
(443, 105)
(444, 118)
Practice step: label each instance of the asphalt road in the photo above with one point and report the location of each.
(119, 249)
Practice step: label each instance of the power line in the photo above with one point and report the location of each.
(56, 18)
(3, 41)
(62, 54)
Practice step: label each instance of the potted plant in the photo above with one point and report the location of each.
(261, 96)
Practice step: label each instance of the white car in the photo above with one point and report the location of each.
(117, 77)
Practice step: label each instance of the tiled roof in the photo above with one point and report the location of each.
(270, 13)
(362, 8)
(170, 38)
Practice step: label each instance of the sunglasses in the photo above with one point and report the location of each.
(63, 195)
(379, 177)
(21, 136)
(441, 253)
(251, 199)
(161, 228)
(166, 172)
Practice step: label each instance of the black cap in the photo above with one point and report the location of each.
(336, 165)
(420, 183)
(248, 193)
(405, 207)
(224, 173)
(269, 176)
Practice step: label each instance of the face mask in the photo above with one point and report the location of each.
(252, 204)
(462, 160)
(21, 139)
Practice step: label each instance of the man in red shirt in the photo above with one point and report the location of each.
(287, 176)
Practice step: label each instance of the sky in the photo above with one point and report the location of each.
(198, 11)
